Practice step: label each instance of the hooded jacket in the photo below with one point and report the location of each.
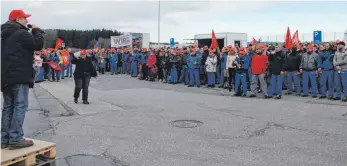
(17, 50)
(292, 61)
(276, 62)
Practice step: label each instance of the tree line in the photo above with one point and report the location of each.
(79, 38)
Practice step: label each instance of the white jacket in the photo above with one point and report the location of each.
(211, 63)
(38, 60)
(230, 60)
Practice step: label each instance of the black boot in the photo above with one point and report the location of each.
(85, 96)
(76, 94)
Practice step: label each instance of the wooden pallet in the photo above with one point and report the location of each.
(41, 153)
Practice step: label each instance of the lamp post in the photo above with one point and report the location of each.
(159, 24)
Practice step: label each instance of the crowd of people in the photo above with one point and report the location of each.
(318, 70)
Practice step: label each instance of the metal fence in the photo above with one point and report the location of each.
(304, 37)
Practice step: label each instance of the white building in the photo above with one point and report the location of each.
(224, 39)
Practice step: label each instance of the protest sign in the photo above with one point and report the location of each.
(121, 41)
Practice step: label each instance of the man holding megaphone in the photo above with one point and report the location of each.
(17, 75)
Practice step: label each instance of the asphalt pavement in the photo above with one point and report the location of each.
(140, 123)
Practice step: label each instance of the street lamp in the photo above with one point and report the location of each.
(159, 24)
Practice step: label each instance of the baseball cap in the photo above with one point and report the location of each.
(16, 14)
(342, 43)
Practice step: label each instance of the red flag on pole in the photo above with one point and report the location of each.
(214, 43)
(288, 40)
(54, 65)
(296, 40)
(254, 42)
(58, 43)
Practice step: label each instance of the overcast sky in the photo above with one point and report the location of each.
(184, 19)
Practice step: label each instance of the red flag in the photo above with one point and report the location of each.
(214, 43)
(54, 65)
(296, 40)
(254, 42)
(288, 41)
(58, 43)
(65, 57)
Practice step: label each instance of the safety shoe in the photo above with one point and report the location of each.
(344, 99)
(75, 100)
(337, 98)
(85, 102)
(322, 97)
(267, 97)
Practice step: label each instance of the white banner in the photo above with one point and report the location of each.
(121, 41)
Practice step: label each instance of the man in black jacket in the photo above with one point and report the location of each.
(17, 76)
(276, 59)
(184, 70)
(203, 74)
(83, 72)
(292, 69)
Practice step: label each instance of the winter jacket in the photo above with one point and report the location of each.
(230, 60)
(276, 62)
(292, 62)
(38, 61)
(184, 58)
(224, 60)
(174, 60)
(54, 58)
(125, 57)
(164, 62)
(193, 61)
(17, 48)
(309, 62)
(211, 63)
(325, 60)
(102, 62)
(152, 60)
(114, 58)
(83, 66)
(204, 56)
(340, 59)
(136, 57)
(259, 63)
(245, 62)
(144, 57)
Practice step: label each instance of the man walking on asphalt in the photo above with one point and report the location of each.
(17, 76)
